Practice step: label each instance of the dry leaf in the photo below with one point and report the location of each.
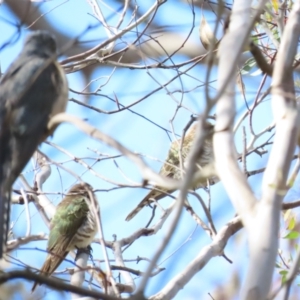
(206, 35)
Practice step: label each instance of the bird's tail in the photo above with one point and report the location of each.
(137, 210)
(5, 180)
(50, 265)
(4, 214)
(151, 197)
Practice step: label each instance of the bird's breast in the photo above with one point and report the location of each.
(60, 82)
(86, 231)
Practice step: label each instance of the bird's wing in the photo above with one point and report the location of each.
(27, 96)
(70, 215)
(169, 170)
(24, 83)
(26, 100)
(156, 193)
(171, 167)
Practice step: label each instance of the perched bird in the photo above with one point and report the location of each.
(33, 89)
(171, 167)
(73, 226)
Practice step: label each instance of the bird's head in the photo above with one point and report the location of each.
(40, 43)
(82, 188)
(86, 190)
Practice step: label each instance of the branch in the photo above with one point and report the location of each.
(53, 283)
(147, 173)
(264, 252)
(191, 163)
(208, 252)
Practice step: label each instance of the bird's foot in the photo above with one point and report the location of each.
(206, 189)
(87, 250)
(35, 186)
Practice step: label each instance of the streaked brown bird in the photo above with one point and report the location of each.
(73, 226)
(33, 89)
(171, 167)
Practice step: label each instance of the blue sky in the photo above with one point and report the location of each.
(138, 134)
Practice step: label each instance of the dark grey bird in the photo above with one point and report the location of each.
(33, 89)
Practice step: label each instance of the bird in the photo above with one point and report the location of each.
(171, 166)
(73, 226)
(33, 89)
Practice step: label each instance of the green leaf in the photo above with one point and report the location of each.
(255, 39)
(292, 223)
(206, 35)
(284, 275)
(276, 34)
(292, 235)
(249, 64)
(283, 279)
